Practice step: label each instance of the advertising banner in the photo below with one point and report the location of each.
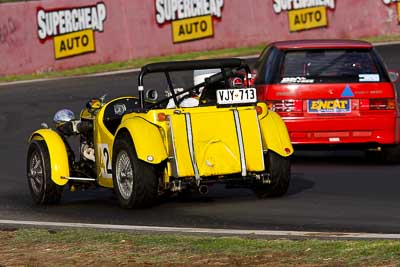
(71, 29)
(191, 20)
(48, 35)
(394, 2)
(304, 14)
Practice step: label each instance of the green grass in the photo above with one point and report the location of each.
(383, 38)
(184, 249)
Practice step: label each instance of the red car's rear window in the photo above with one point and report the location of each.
(329, 66)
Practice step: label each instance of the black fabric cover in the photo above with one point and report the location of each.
(192, 65)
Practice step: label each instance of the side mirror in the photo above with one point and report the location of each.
(94, 103)
(393, 75)
(151, 95)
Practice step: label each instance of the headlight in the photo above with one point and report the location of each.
(63, 115)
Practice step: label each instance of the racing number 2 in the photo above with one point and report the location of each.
(106, 170)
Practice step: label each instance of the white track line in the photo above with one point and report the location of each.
(72, 77)
(236, 232)
(386, 43)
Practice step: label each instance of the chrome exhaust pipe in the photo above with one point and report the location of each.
(203, 189)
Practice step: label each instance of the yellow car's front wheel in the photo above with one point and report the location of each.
(42, 188)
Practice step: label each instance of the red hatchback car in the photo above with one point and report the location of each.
(331, 92)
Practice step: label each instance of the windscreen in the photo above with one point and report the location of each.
(330, 66)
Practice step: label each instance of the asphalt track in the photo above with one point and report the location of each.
(330, 190)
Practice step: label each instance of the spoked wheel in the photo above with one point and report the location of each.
(124, 175)
(135, 181)
(278, 169)
(42, 188)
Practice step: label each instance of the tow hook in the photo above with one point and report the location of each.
(266, 178)
(176, 186)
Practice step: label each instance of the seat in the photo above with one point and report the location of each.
(116, 110)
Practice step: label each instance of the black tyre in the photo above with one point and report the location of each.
(374, 156)
(135, 181)
(278, 169)
(391, 154)
(388, 155)
(42, 188)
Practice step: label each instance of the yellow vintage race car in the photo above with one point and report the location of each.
(212, 131)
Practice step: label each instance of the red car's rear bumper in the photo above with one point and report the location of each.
(326, 130)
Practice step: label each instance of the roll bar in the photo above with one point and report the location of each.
(166, 67)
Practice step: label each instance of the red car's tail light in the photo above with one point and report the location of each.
(378, 104)
(364, 104)
(288, 105)
(391, 104)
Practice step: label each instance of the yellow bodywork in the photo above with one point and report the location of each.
(198, 141)
(194, 142)
(147, 139)
(103, 146)
(145, 134)
(58, 154)
(215, 142)
(275, 134)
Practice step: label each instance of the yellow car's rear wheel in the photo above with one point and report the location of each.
(43, 189)
(278, 169)
(135, 181)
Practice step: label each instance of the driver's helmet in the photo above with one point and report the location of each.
(200, 75)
